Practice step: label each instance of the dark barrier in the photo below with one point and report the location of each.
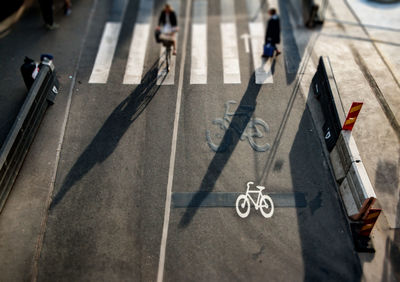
(16, 146)
(325, 89)
(313, 13)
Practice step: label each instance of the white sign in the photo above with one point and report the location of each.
(264, 202)
(254, 131)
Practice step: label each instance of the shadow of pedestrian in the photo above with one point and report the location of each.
(109, 135)
(295, 37)
(227, 146)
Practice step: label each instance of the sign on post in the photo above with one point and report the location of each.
(369, 221)
(352, 116)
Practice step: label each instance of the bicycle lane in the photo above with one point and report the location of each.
(105, 220)
(207, 240)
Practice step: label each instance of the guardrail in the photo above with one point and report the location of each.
(16, 146)
(326, 91)
(355, 187)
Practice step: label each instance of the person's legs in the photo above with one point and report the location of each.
(174, 46)
(173, 43)
(46, 6)
(276, 50)
(67, 7)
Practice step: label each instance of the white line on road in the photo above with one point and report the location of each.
(198, 72)
(229, 42)
(246, 37)
(257, 32)
(137, 50)
(102, 65)
(171, 171)
(164, 77)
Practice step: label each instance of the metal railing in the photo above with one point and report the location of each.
(19, 139)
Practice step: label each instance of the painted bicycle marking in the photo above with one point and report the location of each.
(264, 203)
(219, 138)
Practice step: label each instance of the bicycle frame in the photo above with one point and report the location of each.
(248, 192)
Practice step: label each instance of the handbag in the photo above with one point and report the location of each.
(268, 50)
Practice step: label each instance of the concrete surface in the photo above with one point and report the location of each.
(22, 218)
(104, 218)
(361, 39)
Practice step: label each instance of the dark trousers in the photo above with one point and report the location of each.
(46, 6)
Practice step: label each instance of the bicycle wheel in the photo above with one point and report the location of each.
(168, 57)
(242, 206)
(266, 206)
(257, 129)
(218, 139)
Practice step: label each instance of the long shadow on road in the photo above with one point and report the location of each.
(109, 135)
(326, 243)
(226, 148)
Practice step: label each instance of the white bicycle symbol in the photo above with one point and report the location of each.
(264, 202)
(255, 128)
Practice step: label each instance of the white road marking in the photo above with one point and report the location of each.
(137, 51)
(105, 54)
(229, 42)
(167, 210)
(246, 37)
(257, 32)
(198, 72)
(273, 4)
(164, 77)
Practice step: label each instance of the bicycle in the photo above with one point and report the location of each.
(167, 40)
(167, 44)
(264, 202)
(255, 128)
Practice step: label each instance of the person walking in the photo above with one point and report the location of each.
(46, 7)
(273, 33)
(167, 24)
(67, 7)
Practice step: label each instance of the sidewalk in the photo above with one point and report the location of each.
(21, 219)
(362, 40)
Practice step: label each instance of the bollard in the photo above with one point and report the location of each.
(361, 231)
(357, 192)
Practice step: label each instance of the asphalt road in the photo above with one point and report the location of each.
(114, 214)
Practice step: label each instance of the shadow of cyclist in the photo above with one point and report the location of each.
(227, 145)
(111, 132)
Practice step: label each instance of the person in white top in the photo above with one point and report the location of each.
(167, 24)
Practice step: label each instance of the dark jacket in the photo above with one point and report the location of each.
(273, 34)
(172, 17)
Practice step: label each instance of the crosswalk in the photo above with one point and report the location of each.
(199, 45)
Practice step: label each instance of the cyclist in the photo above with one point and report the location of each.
(167, 24)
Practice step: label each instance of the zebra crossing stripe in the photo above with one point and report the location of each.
(105, 54)
(262, 68)
(229, 43)
(198, 71)
(137, 50)
(164, 77)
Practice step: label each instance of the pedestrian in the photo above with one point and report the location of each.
(67, 7)
(46, 6)
(273, 33)
(167, 24)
